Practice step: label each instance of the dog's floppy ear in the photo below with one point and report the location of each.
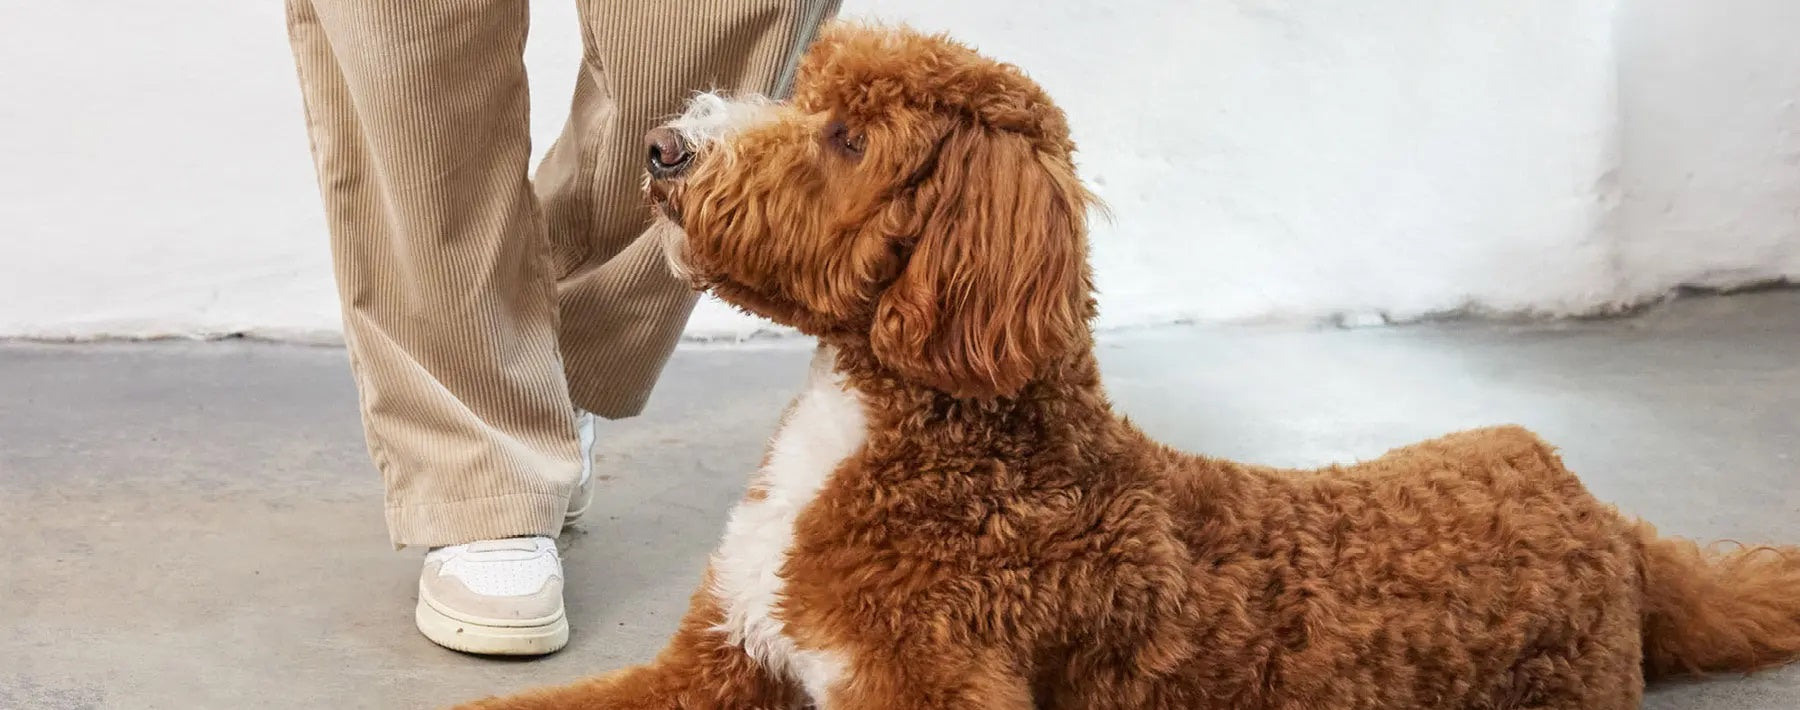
(997, 283)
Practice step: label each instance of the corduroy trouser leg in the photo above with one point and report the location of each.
(480, 309)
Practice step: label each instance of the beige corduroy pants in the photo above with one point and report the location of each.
(481, 309)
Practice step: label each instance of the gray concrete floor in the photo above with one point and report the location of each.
(194, 525)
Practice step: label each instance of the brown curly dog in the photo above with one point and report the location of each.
(952, 516)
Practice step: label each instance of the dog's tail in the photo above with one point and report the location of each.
(1718, 610)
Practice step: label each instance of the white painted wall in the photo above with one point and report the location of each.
(153, 172)
(1711, 137)
(1264, 160)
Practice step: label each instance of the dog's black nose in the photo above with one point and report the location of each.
(669, 154)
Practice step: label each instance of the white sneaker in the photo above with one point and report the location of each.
(501, 597)
(504, 597)
(584, 490)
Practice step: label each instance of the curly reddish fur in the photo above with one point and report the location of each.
(1002, 539)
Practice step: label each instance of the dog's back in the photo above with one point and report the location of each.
(1472, 571)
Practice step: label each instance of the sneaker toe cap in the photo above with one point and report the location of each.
(449, 595)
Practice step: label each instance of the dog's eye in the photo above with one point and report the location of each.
(838, 134)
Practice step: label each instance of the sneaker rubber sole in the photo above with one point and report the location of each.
(533, 637)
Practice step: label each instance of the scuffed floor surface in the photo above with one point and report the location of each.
(195, 525)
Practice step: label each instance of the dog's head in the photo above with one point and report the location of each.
(914, 195)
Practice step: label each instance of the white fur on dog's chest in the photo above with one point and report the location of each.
(826, 426)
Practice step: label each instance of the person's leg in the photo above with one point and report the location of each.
(417, 110)
(418, 115)
(622, 309)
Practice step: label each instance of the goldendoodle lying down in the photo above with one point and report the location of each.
(951, 515)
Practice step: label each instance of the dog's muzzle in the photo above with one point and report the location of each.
(670, 155)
